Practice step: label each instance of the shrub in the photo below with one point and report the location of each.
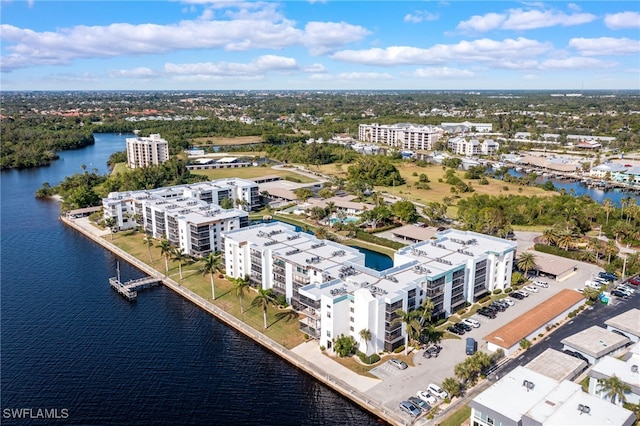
(371, 359)
(399, 349)
(572, 314)
(293, 179)
(462, 311)
(484, 299)
(525, 344)
(508, 290)
(497, 291)
(322, 348)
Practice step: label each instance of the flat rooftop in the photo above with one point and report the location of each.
(513, 332)
(595, 341)
(557, 365)
(628, 322)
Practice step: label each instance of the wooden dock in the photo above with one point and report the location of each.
(129, 289)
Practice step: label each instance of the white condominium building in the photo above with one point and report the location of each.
(145, 151)
(336, 294)
(404, 136)
(466, 127)
(472, 147)
(188, 216)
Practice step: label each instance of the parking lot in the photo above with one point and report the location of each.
(398, 385)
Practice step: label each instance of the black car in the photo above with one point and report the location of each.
(465, 327)
(432, 352)
(487, 313)
(517, 295)
(455, 330)
(498, 306)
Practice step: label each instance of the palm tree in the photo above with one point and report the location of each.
(614, 388)
(241, 285)
(452, 386)
(425, 311)
(610, 249)
(411, 323)
(178, 255)
(110, 223)
(148, 240)
(212, 265)
(607, 204)
(165, 251)
(366, 336)
(263, 299)
(549, 236)
(565, 240)
(526, 262)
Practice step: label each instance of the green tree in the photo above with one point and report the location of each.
(615, 389)
(591, 293)
(181, 257)
(527, 262)
(303, 194)
(111, 224)
(525, 344)
(365, 335)
(148, 241)
(165, 251)
(240, 286)
(263, 299)
(412, 325)
(212, 265)
(344, 345)
(452, 387)
(405, 211)
(226, 203)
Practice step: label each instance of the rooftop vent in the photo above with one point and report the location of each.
(634, 368)
(529, 385)
(584, 409)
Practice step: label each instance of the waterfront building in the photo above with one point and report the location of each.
(328, 284)
(405, 136)
(472, 147)
(188, 216)
(145, 151)
(526, 397)
(605, 170)
(624, 368)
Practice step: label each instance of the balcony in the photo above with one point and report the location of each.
(314, 333)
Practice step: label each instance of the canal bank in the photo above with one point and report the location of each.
(306, 357)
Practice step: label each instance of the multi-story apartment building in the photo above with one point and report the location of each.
(404, 136)
(472, 147)
(188, 216)
(145, 151)
(466, 127)
(336, 293)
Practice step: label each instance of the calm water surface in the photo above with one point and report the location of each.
(69, 342)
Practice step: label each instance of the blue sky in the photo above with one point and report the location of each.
(319, 45)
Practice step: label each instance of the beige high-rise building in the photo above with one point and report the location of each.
(145, 151)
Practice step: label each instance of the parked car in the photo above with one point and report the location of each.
(398, 363)
(419, 403)
(508, 301)
(464, 326)
(471, 346)
(634, 281)
(627, 288)
(497, 307)
(470, 321)
(427, 397)
(531, 288)
(455, 330)
(432, 352)
(611, 276)
(410, 409)
(437, 391)
(620, 293)
(523, 293)
(487, 313)
(541, 284)
(517, 295)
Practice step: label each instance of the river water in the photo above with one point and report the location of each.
(70, 343)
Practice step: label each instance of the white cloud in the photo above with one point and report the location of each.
(257, 67)
(315, 68)
(605, 46)
(485, 50)
(617, 21)
(519, 19)
(323, 37)
(442, 73)
(140, 72)
(420, 16)
(577, 62)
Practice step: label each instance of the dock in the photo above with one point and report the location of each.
(129, 289)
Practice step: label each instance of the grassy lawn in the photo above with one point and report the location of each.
(119, 168)
(284, 331)
(356, 366)
(220, 140)
(250, 173)
(458, 417)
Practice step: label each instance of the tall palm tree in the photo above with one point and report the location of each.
(110, 223)
(549, 236)
(165, 251)
(425, 311)
(179, 256)
(607, 204)
(240, 286)
(412, 325)
(526, 262)
(212, 265)
(263, 299)
(610, 249)
(565, 240)
(148, 240)
(366, 336)
(614, 388)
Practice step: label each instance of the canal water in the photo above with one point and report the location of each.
(69, 342)
(579, 189)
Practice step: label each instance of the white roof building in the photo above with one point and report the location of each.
(526, 398)
(405, 136)
(601, 170)
(466, 127)
(329, 284)
(626, 369)
(145, 151)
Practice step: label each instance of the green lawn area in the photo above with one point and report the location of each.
(284, 331)
(458, 417)
(119, 168)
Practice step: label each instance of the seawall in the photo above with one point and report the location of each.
(335, 383)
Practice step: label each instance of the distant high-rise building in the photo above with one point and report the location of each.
(145, 151)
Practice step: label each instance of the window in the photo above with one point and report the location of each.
(328, 306)
(351, 328)
(328, 334)
(351, 319)
(328, 314)
(352, 309)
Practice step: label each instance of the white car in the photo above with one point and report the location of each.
(470, 321)
(531, 288)
(627, 289)
(541, 284)
(508, 301)
(427, 397)
(437, 391)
